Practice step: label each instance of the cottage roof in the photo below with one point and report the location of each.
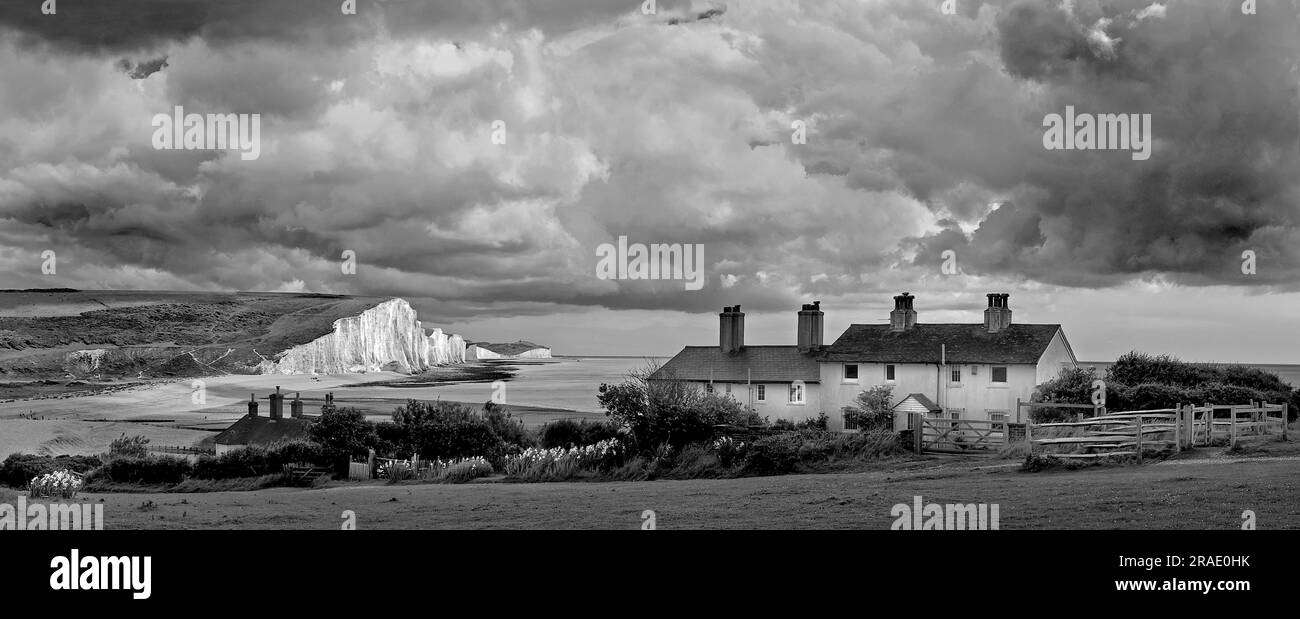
(263, 430)
(963, 343)
(769, 364)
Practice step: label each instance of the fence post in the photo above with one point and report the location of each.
(918, 428)
(1139, 438)
(1232, 428)
(1029, 438)
(1191, 425)
(1017, 410)
(1178, 425)
(1285, 419)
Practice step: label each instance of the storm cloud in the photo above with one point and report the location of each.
(924, 135)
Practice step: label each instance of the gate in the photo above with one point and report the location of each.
(963, 436)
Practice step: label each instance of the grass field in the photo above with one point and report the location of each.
(1200, 494)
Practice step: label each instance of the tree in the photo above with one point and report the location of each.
(343, 431)
(875, 409)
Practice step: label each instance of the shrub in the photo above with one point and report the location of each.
(730, 451)
(129, 447)
(17, 470)
(149, 470)
(820, 422)
(446, 430)
(509, 429)
(669, 412)
(567, 433)
(874, 409)
(343, 431)
(786, 452)
(257, 461)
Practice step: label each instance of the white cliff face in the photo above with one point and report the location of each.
(384, 337)
(478, 352)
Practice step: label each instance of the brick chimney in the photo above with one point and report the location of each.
(295, 407)
(904, 316)
(252, 405)
(731, 329)
(277, 404)
(997, 317)
(810, 327)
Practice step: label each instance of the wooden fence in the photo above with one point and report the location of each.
(1134, 433)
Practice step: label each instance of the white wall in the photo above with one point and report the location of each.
(1057, 357)
(777, 403)
(976, 394)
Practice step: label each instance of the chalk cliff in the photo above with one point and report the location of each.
(384, 337)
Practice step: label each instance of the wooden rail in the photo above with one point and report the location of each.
(1133, 433)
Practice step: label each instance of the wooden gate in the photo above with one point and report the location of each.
(938, 435)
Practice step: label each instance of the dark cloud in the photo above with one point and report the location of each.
(924, 135)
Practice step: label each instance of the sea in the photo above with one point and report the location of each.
(562, 382)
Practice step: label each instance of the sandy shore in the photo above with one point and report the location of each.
(169, 413)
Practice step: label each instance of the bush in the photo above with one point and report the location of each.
(820, 422)
(787, 452)
(445, 431)
(669, 412)
(149, 471)
(343, 432)
(566, 433)
(129, 447)
(18, 470)
(257, 461)
(509, 429)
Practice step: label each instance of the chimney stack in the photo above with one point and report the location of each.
(810, 327)
(277, 404)
(731, 329)
(904, 315)
(252, 405)
(295, 407)
(997, 317)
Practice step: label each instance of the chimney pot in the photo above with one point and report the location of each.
(903, 317)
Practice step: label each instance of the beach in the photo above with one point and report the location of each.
(172, 413)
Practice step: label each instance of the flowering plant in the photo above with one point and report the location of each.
(61, 484)
(559, 461)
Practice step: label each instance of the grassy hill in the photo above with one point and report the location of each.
(115, 334)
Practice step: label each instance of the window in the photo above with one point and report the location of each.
(708, 388)
(851, 372)
(956, 375)
(762, 393)
(999, 374)
(850, 419)
(889, 372)
(728, 387)
(997, 416)
(796, 394)
(955, 413)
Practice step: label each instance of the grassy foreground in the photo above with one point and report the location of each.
(1203, 495)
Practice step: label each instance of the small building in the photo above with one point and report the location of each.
(254, 429)
(965, 371)
(778, 382)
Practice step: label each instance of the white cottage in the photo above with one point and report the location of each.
(963, 371)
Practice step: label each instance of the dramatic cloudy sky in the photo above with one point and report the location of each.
(924, 134)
